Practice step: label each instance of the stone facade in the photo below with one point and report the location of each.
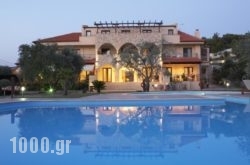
(181, 52)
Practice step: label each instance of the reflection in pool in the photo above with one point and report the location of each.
(216, 134)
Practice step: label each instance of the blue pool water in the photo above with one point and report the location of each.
(200, 134)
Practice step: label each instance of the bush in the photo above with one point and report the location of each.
(84, 86)
(98, 85)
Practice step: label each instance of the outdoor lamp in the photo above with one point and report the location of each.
(22, 89)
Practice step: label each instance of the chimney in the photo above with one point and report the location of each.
(197, 33)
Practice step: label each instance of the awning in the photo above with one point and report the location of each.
(88, 67)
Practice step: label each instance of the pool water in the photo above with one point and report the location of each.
(108, 135)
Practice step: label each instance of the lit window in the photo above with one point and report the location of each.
(129, 76)
(107, 74)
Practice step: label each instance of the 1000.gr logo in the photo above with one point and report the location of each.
(61, 146)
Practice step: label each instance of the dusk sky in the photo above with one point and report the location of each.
(24, 21)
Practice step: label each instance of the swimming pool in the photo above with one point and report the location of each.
(198, 131)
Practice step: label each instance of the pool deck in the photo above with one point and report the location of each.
(233, 96)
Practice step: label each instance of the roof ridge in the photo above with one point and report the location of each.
(68, 37)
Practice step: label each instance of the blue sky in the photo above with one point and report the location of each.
(23, 21)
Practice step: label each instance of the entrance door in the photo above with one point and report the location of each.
(107, 74)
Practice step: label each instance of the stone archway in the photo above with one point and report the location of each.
(127, 46)
(106, 49)
(105, 54)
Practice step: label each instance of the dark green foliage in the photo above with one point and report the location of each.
(145, 61)
(99, 85)
(242, 50)
(84, 85)
(5, 70)
(217, 43)
(233, 70)
(4, 83)
(48, 65)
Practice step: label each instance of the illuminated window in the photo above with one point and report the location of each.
(83, 75)
(129, 76)
(107, 74)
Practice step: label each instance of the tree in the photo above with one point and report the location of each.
(37, 64)
(217, 43)
(69, 67)
(145, 60)
(49, 66)
(5, 70)
(242, 50)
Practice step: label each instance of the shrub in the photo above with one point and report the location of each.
(98, 85)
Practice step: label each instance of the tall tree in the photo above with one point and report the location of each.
(69, 67)
(49, 65)
(145, 61)
(242, 50)
(5, 70)
(217, 43)
(37, 63)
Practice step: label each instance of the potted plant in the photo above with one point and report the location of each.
(98, 85)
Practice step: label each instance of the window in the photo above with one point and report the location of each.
(107, 74)
(167, 70)
(77, 51)
(125, 31)
(129, 76)
(187, 52)
(170, 32)
(146, 31)
(84, 75)
(188, 71)
(105, 31)
(88, 33)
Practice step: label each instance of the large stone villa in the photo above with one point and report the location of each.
(182, 54)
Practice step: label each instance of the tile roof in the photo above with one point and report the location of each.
(184, 37)
(70, 37)
(181, 60)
